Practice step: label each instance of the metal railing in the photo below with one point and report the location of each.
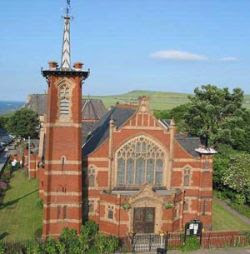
(147, 242)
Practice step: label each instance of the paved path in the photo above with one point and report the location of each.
(216, 251)
(233, 211)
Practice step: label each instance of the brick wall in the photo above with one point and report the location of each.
(212, 239)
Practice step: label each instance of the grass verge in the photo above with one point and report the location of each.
(20, 216)
(224, 220)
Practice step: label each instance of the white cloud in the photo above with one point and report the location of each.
(177, 55)
(228, 59)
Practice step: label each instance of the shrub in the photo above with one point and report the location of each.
(191, 244)
(38, 234)
(240, 199)
(90, 241)
(87, 235)
(2, 248)
(71, 241)
(39, 203)
(106, 244)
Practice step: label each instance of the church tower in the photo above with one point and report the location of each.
(63, 147)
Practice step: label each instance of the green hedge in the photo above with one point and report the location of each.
(89, 241)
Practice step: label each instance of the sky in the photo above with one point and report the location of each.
(163, 45)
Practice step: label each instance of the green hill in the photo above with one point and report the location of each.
(158, 100)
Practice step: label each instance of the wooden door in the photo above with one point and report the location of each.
(144, 219)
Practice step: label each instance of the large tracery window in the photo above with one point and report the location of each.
(64, 95)
(140, 161)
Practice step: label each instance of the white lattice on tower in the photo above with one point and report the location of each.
(66, 58)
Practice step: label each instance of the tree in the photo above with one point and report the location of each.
(177, 113)
(3, 121)
(221, 164)
(216, 114)
(162, 114)
(23, 123)
(237, 175)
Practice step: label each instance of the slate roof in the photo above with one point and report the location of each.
(37, 103)
(5, 136)
(87, 127)
(92, 109)
(189, 143)
(101, 129)
(166, 122)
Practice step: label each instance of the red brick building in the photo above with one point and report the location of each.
(141, 176)
(128, 171)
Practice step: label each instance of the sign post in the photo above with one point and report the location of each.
(193, 228)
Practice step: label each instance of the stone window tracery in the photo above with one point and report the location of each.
(140, 161)
(64, 98)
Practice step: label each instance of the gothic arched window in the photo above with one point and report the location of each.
(64, 96)
(140, 161)
(186, 181)
(91, 177)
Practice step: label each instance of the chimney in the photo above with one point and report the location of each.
(53, 65)
(78, 66)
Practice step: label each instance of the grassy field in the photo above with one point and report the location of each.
(158, 100)
(20, 216)
(224, 220)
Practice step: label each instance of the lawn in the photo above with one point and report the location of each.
(224, 220)
(20, 214)
(158, 100)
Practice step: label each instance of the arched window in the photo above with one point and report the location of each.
(186, 181)
(64, 96)
(91, 177)
(140, 161)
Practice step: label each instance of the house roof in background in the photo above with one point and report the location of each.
(37, 103)
(92, 109)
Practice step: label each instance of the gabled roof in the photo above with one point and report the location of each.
(92, 109)
(101, 129)
(190, 144)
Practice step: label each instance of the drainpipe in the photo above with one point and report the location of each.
(29, 156)
(183, 201)
(172, 130)
(119, 218)
(111, 129)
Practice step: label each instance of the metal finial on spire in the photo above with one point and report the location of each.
(68, 8)
(66, 59)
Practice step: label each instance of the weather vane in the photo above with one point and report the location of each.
(68, 8)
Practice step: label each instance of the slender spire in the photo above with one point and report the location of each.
(66, 58)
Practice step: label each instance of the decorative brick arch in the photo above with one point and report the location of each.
(144, 150)
(64, 102)
(146, 197)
